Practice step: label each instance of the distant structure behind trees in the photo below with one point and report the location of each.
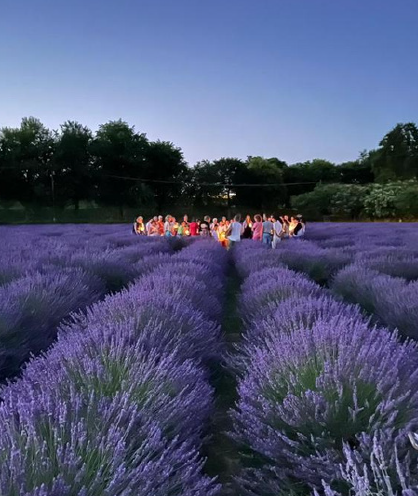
(119, 169)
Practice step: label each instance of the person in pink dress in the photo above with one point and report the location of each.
(258, 228)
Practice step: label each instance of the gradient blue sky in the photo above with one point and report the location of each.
(295, 79)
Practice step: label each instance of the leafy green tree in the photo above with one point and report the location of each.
(381, 200)
(357, 171)
(26, 162)
(348, 200)
(397, 157)
(406, 203)
(307, 174)
(120, 156)
(213, 182)
(265, 171)
(74, 174)
(164, 162)
(317, 202)
(332, 199)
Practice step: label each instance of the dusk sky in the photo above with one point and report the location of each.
(293, 79)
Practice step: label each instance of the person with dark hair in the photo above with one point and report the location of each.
(258, 228)
(267, 230)
(247, 226)
(205, 226)
(299, 229)
(193, 227)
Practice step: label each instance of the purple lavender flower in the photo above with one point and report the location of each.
(90, 445)
(318, 389)
(392, 301)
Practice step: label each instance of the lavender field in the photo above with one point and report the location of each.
(138, 366)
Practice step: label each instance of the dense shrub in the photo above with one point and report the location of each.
(320, 388)
(32, 307)
(291, 315)
(390, 300)
(86, 444)
(120, 404)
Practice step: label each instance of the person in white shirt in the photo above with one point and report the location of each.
(235, 231)
(277, 232)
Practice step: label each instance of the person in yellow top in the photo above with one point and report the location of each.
(139, 226)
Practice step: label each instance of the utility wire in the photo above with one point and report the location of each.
(161, 181)
(232, 185)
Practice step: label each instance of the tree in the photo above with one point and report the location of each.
(316, 202)
(348, 200)
(214, 182)
(406, 203)
(73, 163)
(264, 171)
(357, 171)
(336, 199)
(308, 174)
(120, 158)
(26, 162)
(381, 200)
(397, 157)
(165, 162)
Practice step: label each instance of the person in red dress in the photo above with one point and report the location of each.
(193, 228)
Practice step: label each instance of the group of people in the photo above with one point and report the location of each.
(269, 230)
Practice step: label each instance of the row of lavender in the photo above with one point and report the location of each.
(119, 405)
(48, 272)
(326, 400)
(375, 266)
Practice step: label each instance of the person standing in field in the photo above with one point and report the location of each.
(214, 229)
(257, 228)
(247, 225)
(267, 230)
(167, 226)
(277, 232)
(153, 228)
(151, 225)
(139, 227)
(193, 227)
(205, 226)
(222, 229)
(161, 225)
(174, 226)
(235, 231)
(293, 223)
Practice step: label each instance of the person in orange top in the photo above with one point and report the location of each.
(222, 229)
(161, 225)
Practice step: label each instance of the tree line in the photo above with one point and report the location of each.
(117, 166)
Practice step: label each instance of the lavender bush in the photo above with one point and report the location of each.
(317, 389)
(32, 307)
(120, 403)
(390, 300)
(266, 289)
(90, 445)
(291, 315)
